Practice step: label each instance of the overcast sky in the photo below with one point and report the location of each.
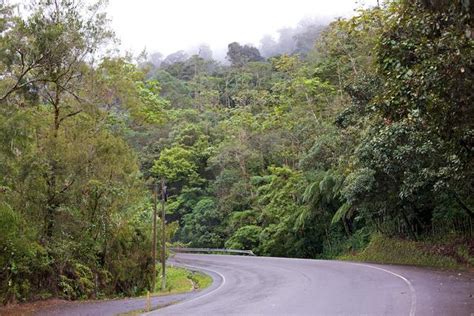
(170, 25)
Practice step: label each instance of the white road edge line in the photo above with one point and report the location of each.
(195, 298)
(410, 286)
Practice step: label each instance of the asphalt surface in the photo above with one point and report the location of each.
(280, 286)
(109, 307)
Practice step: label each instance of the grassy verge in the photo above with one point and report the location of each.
(202, 280)
(180, 280)
(446, 254)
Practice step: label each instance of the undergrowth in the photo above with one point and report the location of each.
(449, 253)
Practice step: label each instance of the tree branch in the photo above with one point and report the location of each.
(69, 115)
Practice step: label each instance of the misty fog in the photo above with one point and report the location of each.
(289, 40)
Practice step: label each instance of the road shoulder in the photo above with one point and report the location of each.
(58, 307)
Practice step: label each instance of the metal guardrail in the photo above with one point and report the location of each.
(212, 250)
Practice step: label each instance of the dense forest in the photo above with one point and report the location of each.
(306, 149)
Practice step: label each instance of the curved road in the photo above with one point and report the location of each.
(280, 286)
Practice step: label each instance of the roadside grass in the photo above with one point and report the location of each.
(202, 280)
(177, 281)
(180, 280)
(445, 254)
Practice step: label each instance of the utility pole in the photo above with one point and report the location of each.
(163, 235)
(153, 251)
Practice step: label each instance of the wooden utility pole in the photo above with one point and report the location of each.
(153, 251)
(163, 236)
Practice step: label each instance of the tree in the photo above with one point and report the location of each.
(66, 170)
(156, 59)
(201, 226)
(205, 52)
(239, 55)
(176, 57)
(417, 147)
(268, 46)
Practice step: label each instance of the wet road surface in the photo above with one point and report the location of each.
(281, 286)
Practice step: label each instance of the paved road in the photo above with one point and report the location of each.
(278, 286)
(105, 307)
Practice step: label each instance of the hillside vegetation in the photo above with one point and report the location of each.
(365, 134)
